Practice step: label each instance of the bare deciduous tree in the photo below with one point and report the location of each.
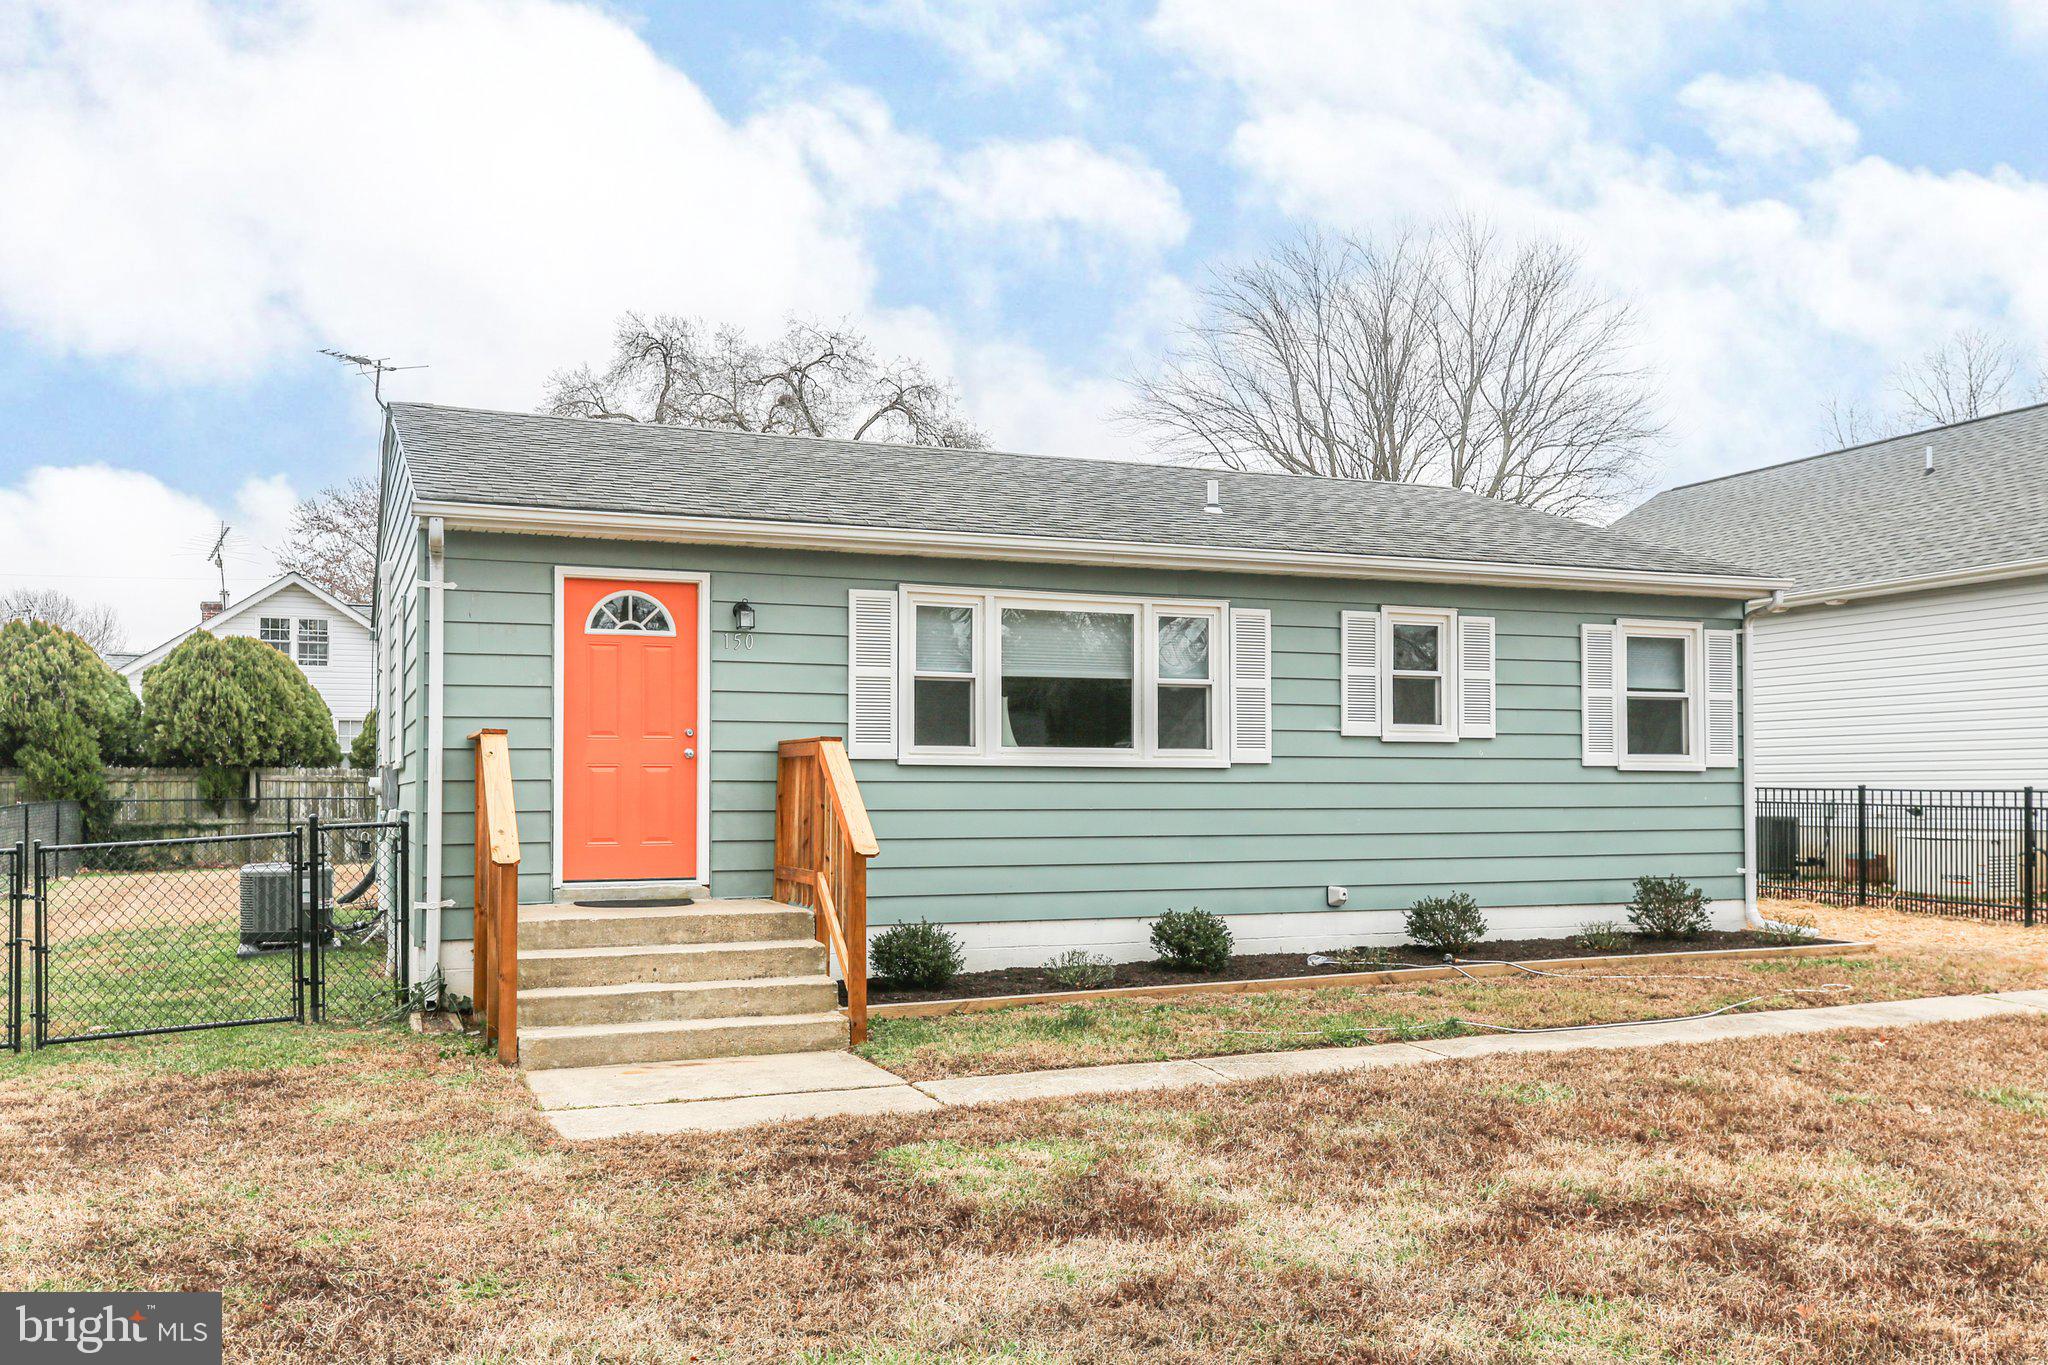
(1446, 356)
(1971, 374)
(813, 380)
(333, 539)
(95, 623)
(1845, 424)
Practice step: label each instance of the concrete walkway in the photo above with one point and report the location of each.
(738, 1092)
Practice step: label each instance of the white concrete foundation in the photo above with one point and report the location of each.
(1030, 943)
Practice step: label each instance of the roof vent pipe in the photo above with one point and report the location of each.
(1212, 496)
(1927, 466)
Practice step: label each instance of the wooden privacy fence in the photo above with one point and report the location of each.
(823, 840)
(496, 992)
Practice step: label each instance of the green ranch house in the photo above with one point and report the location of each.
(1071, 694)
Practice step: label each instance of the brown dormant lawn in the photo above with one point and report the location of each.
(1916, 956)
(1852, 1196)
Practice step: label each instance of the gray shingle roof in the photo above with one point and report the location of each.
(464, 455)
(1869, 514)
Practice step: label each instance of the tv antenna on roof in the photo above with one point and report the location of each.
(379, 366)
(218, 558)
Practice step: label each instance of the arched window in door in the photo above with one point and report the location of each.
(629, 613)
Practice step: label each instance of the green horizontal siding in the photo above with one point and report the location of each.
(1515, 820)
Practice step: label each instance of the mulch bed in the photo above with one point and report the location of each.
(1266, 966)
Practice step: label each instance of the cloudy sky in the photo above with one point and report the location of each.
(196, 197)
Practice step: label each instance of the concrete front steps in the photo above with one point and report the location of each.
(651, 983)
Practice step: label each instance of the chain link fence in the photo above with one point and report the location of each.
(146, 936)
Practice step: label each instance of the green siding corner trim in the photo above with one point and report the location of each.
(1515, 820)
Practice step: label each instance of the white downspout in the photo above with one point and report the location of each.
(1750, 914)
(437, 585)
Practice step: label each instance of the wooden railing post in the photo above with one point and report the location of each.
(496, 918)
(823, 840)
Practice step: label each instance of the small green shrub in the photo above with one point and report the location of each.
(1669, 907)
(1361, 959)
(362, 750)
(1788, 931)
(1601, 936)
(921, 956)
(1192, 940)
(1077, 969)
(1446, 924)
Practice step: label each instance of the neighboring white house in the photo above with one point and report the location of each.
(325, 636)
(1912, 650)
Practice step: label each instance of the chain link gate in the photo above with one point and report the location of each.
(153, 936)
(359, 966)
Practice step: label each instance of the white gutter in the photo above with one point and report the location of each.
(437, 597)
(1048, 549)
(1892, 587)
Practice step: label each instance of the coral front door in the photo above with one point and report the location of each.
(632, 736)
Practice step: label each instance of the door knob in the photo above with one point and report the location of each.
(689, 753)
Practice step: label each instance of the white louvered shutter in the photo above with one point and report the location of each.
(1599, 706)
(1723, 731)
(1251, 685)
(1358, 671)
(871, 674)
(1476, 669)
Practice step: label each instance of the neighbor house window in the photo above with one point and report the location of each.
(312, 644)
(1660, 702)
(1009, 678)
(275, 631)
(1418, 653)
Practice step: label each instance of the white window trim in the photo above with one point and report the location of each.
(1694, 634)
(987, 750)
(304, 638)
(1445, 619)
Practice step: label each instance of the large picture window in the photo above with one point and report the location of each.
(1024, 679)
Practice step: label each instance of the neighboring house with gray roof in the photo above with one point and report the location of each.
(1075, 693)
(328, 639)
(1911, 648)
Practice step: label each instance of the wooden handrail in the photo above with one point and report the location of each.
(496, 933)
(823, 840)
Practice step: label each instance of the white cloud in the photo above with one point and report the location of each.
(479, 186)
(1048, 194)
(1062, 184)
(123, 537)
(1767, 117)
(1756, 306)
(998, 42)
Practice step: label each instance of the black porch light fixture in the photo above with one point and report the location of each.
(743, 616)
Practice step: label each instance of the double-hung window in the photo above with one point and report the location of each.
(312, 643)
(1660, 684)
(1419, 651)
(942, 676)
(275, 631)
(1024, 679)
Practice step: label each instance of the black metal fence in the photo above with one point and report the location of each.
(12, 860)
(146, 936)
(1975, 853)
